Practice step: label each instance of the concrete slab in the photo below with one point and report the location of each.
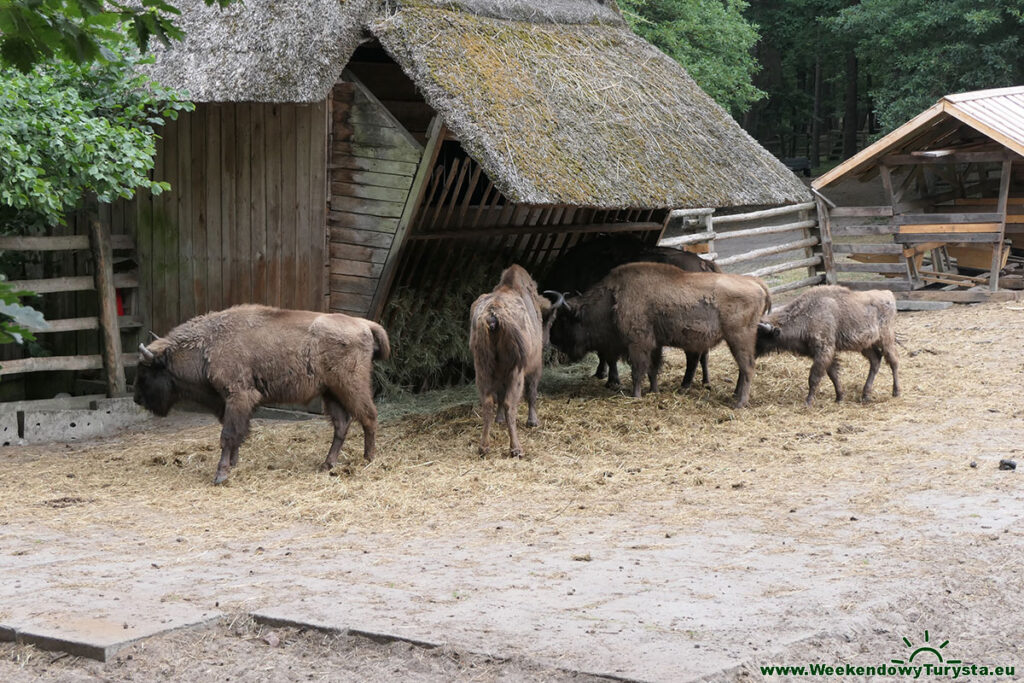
(104, 418)
(9, 430)
(101, 636)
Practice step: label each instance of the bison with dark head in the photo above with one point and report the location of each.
(234, 360)
(825, 320)
(640, 307)
(584, 265)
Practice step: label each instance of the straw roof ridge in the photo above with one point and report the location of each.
(534, 11)
(260, 50)
(582, 114)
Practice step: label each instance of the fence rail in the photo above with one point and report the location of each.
(702, 227)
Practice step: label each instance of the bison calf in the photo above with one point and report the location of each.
(506, 337)
(825, 320)
(234, 360)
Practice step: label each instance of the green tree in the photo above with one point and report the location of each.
(710, 38)
(919, 50)
(80, 31)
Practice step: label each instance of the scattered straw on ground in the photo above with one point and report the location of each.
(596, 452)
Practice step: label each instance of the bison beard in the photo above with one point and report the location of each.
(640, 307)
(235, 360)
(506, 337)
(825, 320)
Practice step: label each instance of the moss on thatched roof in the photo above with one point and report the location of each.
(584, 113)
(557, 100)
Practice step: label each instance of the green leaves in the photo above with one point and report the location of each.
(710, 38)
(34, 31)
(16, 321)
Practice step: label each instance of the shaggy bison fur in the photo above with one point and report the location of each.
(234, 360)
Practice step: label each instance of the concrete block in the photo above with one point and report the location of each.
(64, 426)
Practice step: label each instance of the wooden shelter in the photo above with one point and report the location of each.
(342, 150)
(952, 188)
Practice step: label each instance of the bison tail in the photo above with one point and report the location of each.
(381, 345)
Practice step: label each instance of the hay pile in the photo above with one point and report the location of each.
(596, 453)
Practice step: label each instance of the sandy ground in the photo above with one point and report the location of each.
(837, 535)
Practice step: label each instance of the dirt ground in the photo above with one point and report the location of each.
(668, 538)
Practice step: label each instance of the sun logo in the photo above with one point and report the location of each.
(923, 649)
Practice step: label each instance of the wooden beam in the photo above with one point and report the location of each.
(80, 283)
(54, 363)
(499, 231)
(768, 230)
(768, 251)
(981, 237)
(861, 211)
(950, 158)
(766, 213)
(947, 228)
(963, 296)
(435, 135)
(87, 323)
(59, 243)
(926, 218)
(103, 272)
(1004, 195)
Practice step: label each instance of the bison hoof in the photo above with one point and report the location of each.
(614, 386)
(600, 373)
(220, 478)
(515, 453)
(533, 422)
(326, 467)
(482, 450)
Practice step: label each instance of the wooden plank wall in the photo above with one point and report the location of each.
(371, 172)
(245, 218)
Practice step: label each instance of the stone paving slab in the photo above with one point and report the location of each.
(101, 636)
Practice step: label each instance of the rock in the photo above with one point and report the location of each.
(1005, 464)
(272, 639)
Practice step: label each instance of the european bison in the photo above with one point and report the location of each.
(234, 360)
(584, 265)
(506, 337)
(640, 307)
(825, 320)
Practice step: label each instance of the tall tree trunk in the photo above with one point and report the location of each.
(850, 111)
(815, 151)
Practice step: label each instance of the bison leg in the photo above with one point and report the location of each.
(874, 357)
(894, 363)
(822, 362)
(510, 402)
(531, 399)
(705, 376)
(691, 368)
(237, 411)
(655, 369)
(640, 363)
(833, 374)
(487, 409)
(743, 353)
(614, 381)
(602, 368)
(341, 420)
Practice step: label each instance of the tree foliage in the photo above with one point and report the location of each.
(710, 38)
(919, 50)
(80, 31)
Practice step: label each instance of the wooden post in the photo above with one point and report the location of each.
(103, 274)
(997, 248)
(825, 233)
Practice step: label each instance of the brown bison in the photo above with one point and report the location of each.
(640, 307)
(586, 263)
(234, 360)
(825, 320)
(506, 337)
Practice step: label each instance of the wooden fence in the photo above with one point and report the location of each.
(702, 230)
(104, 282)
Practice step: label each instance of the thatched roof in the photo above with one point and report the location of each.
(260, 50)
(557, 100)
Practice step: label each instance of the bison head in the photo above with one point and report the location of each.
(767, 338)
(568, 333)
(154, 383)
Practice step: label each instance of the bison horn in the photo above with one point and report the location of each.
(767, 329)
(559, 298)
(154, 335)
(146, 353)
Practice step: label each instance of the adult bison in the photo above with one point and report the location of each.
(506, 337)
(584, 265)
(640, 307)
(234, 360)
(825, 320)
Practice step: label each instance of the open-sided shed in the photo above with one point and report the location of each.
(952, 183)
(342, 150)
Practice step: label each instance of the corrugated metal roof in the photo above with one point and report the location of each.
(997, 114)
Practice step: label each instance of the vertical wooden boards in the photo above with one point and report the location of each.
(198, 189)
(103, 273)
(185, 224)
(257, 204)
(214, 286)
(240, 227)
(274, 202)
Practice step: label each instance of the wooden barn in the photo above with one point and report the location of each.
(949, 201)
(341, 151)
